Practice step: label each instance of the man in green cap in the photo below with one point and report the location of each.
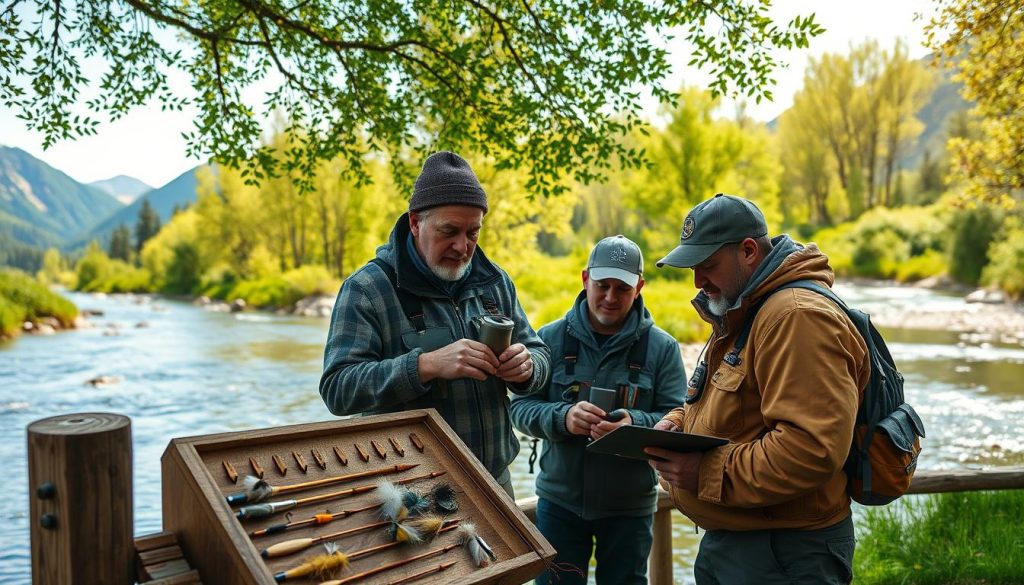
(781, 381)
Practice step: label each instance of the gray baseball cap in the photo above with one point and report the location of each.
(723, 219)
(616, 257)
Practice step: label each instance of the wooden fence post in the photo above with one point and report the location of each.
(80, 489)
(660, 564)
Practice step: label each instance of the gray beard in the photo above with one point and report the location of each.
(720, 306)
(450, 274)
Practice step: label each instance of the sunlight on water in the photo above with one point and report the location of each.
(178, 370)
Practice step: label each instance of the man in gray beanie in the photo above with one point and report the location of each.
(405, 327)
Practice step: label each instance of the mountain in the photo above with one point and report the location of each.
(944, 103)
(180, 192)
(124, 189)
(40, 205)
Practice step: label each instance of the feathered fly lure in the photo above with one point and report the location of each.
(322, 566)
(478, 549)
(443, 498)
(393, 508)
(427, 526)
(256, 489)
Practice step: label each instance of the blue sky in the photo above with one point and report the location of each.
(147, 143)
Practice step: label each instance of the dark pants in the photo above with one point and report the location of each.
(777, 556)
(623, 545)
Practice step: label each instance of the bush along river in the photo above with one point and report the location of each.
(179, 370)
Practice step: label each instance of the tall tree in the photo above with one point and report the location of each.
(906, 86)
(862, 109)
(120, 246)
(984, 41)
(147, 225)
(550, 86)
(693, 157)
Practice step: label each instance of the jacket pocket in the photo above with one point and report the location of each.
(433, 338)
(722, 411)
(566, 388)
(638, 396)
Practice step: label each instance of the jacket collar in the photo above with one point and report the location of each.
(788, 261)
(638, 321)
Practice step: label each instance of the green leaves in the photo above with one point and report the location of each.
(551, 87)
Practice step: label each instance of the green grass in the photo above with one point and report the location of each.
(22, 298)
(965, 538)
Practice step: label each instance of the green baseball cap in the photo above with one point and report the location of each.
(723, 219)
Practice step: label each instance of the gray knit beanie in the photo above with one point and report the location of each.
(446, 179)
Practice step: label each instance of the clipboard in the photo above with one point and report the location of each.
(629, 441)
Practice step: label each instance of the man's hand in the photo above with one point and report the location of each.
(516, 364)
(666, 425)
(605, 426)
(583, 417)
(465, 358)
(678, 469)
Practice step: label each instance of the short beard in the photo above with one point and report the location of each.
(720, 306)
(453, 274)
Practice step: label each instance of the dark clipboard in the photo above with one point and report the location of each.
(629, 441)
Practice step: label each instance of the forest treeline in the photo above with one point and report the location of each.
(830, 173)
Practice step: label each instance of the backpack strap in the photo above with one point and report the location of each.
(733, 357)
(637, 356)
(411, 304)
(571, 351)
(635, 359)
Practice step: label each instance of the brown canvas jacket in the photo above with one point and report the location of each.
(788, 408)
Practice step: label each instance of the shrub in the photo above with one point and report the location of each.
(96, 272)
(973, 232)
(1005, 267)
(882, 242)
(23, 298)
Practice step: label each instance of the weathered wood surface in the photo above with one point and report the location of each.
(967, 480)
(80, 494)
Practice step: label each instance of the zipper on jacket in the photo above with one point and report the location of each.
(476, 390)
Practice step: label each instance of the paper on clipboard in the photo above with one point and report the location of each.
(629, 441)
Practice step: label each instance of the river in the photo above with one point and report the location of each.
(179, 370)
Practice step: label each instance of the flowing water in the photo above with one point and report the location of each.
(179, 370)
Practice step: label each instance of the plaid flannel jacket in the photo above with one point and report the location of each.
(371, 361)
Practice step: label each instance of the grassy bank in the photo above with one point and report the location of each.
(949, 539)
(22, 298)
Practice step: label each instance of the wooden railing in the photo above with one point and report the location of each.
(925, 482)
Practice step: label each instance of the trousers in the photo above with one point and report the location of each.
(770, 557)
(620, 544)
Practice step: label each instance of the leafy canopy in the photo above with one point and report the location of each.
(984, 41)
(548, 85)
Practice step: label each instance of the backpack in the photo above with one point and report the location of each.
(886, 439)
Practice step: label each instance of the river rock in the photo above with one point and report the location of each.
(237, 305)
(315, 306)
(82, 323)
(103, 381)
(201, 301)
(986, 296)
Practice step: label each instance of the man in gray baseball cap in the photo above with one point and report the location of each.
(611, 366)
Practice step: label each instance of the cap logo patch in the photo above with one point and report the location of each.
(688, 226)
(619, 255)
